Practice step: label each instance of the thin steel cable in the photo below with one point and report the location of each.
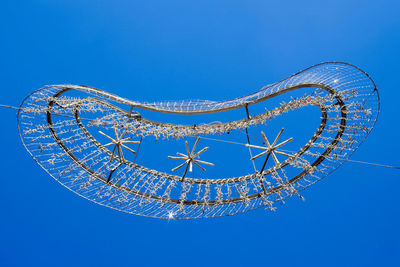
(6, 106)
(355, 161)
(237, 143)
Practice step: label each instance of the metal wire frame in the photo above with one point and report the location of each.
(355, 88)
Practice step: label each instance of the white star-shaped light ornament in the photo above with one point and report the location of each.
(190, 158)
(271, 149)
(171, 215)
(118, 143)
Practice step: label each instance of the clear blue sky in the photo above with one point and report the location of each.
(157, 50)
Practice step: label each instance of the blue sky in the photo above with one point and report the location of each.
(171, 50)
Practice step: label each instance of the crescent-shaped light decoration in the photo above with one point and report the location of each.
(107, 149)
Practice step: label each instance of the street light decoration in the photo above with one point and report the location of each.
(103, 147)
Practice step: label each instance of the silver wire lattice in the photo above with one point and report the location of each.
(60, 126)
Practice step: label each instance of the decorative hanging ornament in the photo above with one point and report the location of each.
(144, 158)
